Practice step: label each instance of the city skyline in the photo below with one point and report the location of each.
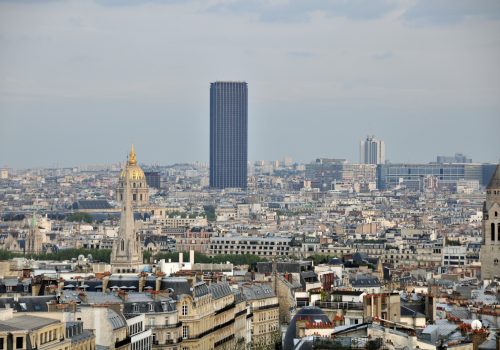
(421, 76)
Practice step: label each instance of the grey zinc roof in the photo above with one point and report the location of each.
(148, 305)
(116, 320)
(308, 274)
(200, 289)
(25, 322)
(102, 298)
(257, 291)
(86, 334)
(220, 290)
(10, 282)
(177, 285)
(92, 204)
(365, 281)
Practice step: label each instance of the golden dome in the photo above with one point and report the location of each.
(132, 170)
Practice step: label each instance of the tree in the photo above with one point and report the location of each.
(103, 255)
(210, 212)
(79, 217)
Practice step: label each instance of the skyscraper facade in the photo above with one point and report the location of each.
(228, 134)
(372, 151)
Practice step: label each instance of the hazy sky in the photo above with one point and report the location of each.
(81, 80)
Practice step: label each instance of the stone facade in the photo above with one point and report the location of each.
(490, 249)
(126, 255)
(264, 307)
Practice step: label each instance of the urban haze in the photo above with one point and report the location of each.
(81, 80)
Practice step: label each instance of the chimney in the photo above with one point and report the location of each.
(105, 281)
(191, 258)
(123, 295)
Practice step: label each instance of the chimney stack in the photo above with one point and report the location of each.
(191, 258)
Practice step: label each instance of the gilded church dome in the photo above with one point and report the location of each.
(132, 170)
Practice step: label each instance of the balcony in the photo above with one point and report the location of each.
(265, 307)
(163, 326)
(339, 305)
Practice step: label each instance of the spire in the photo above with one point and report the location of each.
(126, 255)
(33, 221)
(132, 160)
(127, 214)
(495, 180)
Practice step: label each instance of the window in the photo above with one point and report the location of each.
(151, 307)
(184, 309)
(185, 332)
(492, 232)
(1, 343)
(495, 261)
(19, 342)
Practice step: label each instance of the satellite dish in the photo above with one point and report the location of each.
(476, 324)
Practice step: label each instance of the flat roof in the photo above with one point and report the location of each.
(26, 322)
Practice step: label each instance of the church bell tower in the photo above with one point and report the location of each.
(490, 249)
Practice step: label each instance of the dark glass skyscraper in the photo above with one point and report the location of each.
(228, 134)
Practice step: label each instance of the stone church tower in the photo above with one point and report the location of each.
(34, 240)
(126, 255)
(490, 249)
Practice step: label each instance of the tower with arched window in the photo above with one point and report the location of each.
(126, 255)
(490, 249)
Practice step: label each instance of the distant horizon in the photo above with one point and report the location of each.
(151, 165)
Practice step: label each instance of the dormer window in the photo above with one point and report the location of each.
(184, 309)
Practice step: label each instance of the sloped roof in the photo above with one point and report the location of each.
(219, 290)
(257, 291)
(92, 204)
(495, 179)
(117, 321)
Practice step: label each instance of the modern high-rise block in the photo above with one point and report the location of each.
(228, 134)
(372, 151)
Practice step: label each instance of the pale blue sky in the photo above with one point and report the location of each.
(81, 80)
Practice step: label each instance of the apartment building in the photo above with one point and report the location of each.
(263, 246)
(264, 308)
(25, 332)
